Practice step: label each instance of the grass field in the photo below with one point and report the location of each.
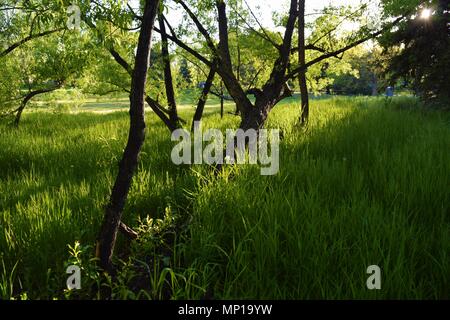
(367, 184)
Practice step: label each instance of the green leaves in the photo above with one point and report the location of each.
(423, 47)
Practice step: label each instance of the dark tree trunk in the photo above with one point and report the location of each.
(302, 61)
(257, 116)
(19, 112)
(238, 64)
(204, 96)
(168, 80)
(129, 162)
(374, 84)
(225, 67)
(27, 99)
(161, 113)
(222, 100)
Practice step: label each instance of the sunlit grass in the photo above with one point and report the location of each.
(366, 184)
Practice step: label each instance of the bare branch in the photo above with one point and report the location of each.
(199, 25)
(262, 34)
(127, 231)
(344, 19)
(309, 47)
(172, 37)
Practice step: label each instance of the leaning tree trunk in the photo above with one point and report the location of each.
(302, 61)
(204, 96)
(27, 99)
(168, 79)
(129, 162)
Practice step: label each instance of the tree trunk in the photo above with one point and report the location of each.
(27, 99)
(222, 100)
(238, 73)
(302, 61)
(374, 85)
(204, 96)
(19, 113)
(113, 212)
(256, 117)
(225, 66)
(168, 80)
(252, 119)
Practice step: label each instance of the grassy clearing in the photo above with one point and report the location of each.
(367, 184)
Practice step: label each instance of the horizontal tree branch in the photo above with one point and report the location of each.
(311, 47)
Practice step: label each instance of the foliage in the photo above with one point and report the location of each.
(49, 62)
(424, 53)
(333, 29)
(368, 67)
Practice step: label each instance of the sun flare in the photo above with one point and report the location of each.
(426, 14)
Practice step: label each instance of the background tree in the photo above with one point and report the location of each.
(42, 66)
(424, 43)
(366, 75)
(254, 112)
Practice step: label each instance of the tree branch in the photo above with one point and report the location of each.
(262, 34)
(154, 105)
(336, 53)
(172, 37)
(309, 47)
(26, 39)
(276, 80)
(127, 231)
(199, 25)
(224, 48)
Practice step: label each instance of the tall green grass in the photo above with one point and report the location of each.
(366, 184)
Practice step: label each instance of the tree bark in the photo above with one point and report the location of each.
(168, 80)
(225, 67)
(204, 96)
(161, 113)
(113, 212)
(256, 118)
(302, 61)
(238, 65)
(222, 101)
